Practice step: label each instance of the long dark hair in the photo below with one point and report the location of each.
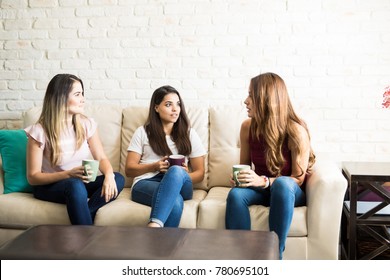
(155, 131)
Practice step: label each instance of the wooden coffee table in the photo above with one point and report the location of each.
(371, 217)
(116, 242)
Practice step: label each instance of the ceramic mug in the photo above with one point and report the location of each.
(236, 169)
(91, 168)
(176, 160)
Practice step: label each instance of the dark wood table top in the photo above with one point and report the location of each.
(367, 171)
(120, 242)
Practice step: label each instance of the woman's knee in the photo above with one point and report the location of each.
(285, 182)
(178, 177)
(75, 188)
(176, 170)
(120, 181)
(283, 186)
(235, 196)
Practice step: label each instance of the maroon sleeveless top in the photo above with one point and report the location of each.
(257, 152)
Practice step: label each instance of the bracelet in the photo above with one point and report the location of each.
(266, 181)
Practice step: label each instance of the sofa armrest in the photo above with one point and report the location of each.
(325, 192)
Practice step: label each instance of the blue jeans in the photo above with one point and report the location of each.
(165, 193)
(75, 193)
(283, 195)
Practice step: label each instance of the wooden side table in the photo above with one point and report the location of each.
(372, 218)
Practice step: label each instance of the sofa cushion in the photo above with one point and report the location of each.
(122, 211)
(31, 116)
(225, 124)
(13, 145)
(135, 214)
(133, 117)
(212, 214)
(30, 211)
(109, 120)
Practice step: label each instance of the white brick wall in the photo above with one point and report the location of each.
(334, 56)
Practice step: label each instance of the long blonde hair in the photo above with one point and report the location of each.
(54, 112)
(275, 120)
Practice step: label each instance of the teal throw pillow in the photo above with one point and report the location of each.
(13, 145)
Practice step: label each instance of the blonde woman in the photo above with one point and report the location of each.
(58, 143)
(277, 143)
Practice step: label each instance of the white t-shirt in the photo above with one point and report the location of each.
(140, 144)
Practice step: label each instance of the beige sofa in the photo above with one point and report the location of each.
(314, 232)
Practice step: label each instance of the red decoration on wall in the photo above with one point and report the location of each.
(386, 98)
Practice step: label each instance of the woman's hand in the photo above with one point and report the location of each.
(248, 178)
(185, 167)
(162, 165)
(78, 172)
(109, 188)
(231, 180)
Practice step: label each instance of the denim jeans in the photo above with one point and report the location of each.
(283, 195)
(165, 193)
(75, 193)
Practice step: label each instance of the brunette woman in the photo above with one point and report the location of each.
(166, 132)
(277, 143)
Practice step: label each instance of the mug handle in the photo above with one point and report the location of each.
(235, 173)
(86, 169)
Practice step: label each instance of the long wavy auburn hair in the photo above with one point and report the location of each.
(54, 114)
(274, 120)
(155, 131)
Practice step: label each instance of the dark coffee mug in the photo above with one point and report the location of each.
(176, 160)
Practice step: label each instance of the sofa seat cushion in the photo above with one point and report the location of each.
(296, 248)
(212, 214)
(125, 212)
(22, 209)
(32, 211)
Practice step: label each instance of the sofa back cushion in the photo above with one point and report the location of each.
(31, 116)
(109, 120)
(134, 116)
(225, 124)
